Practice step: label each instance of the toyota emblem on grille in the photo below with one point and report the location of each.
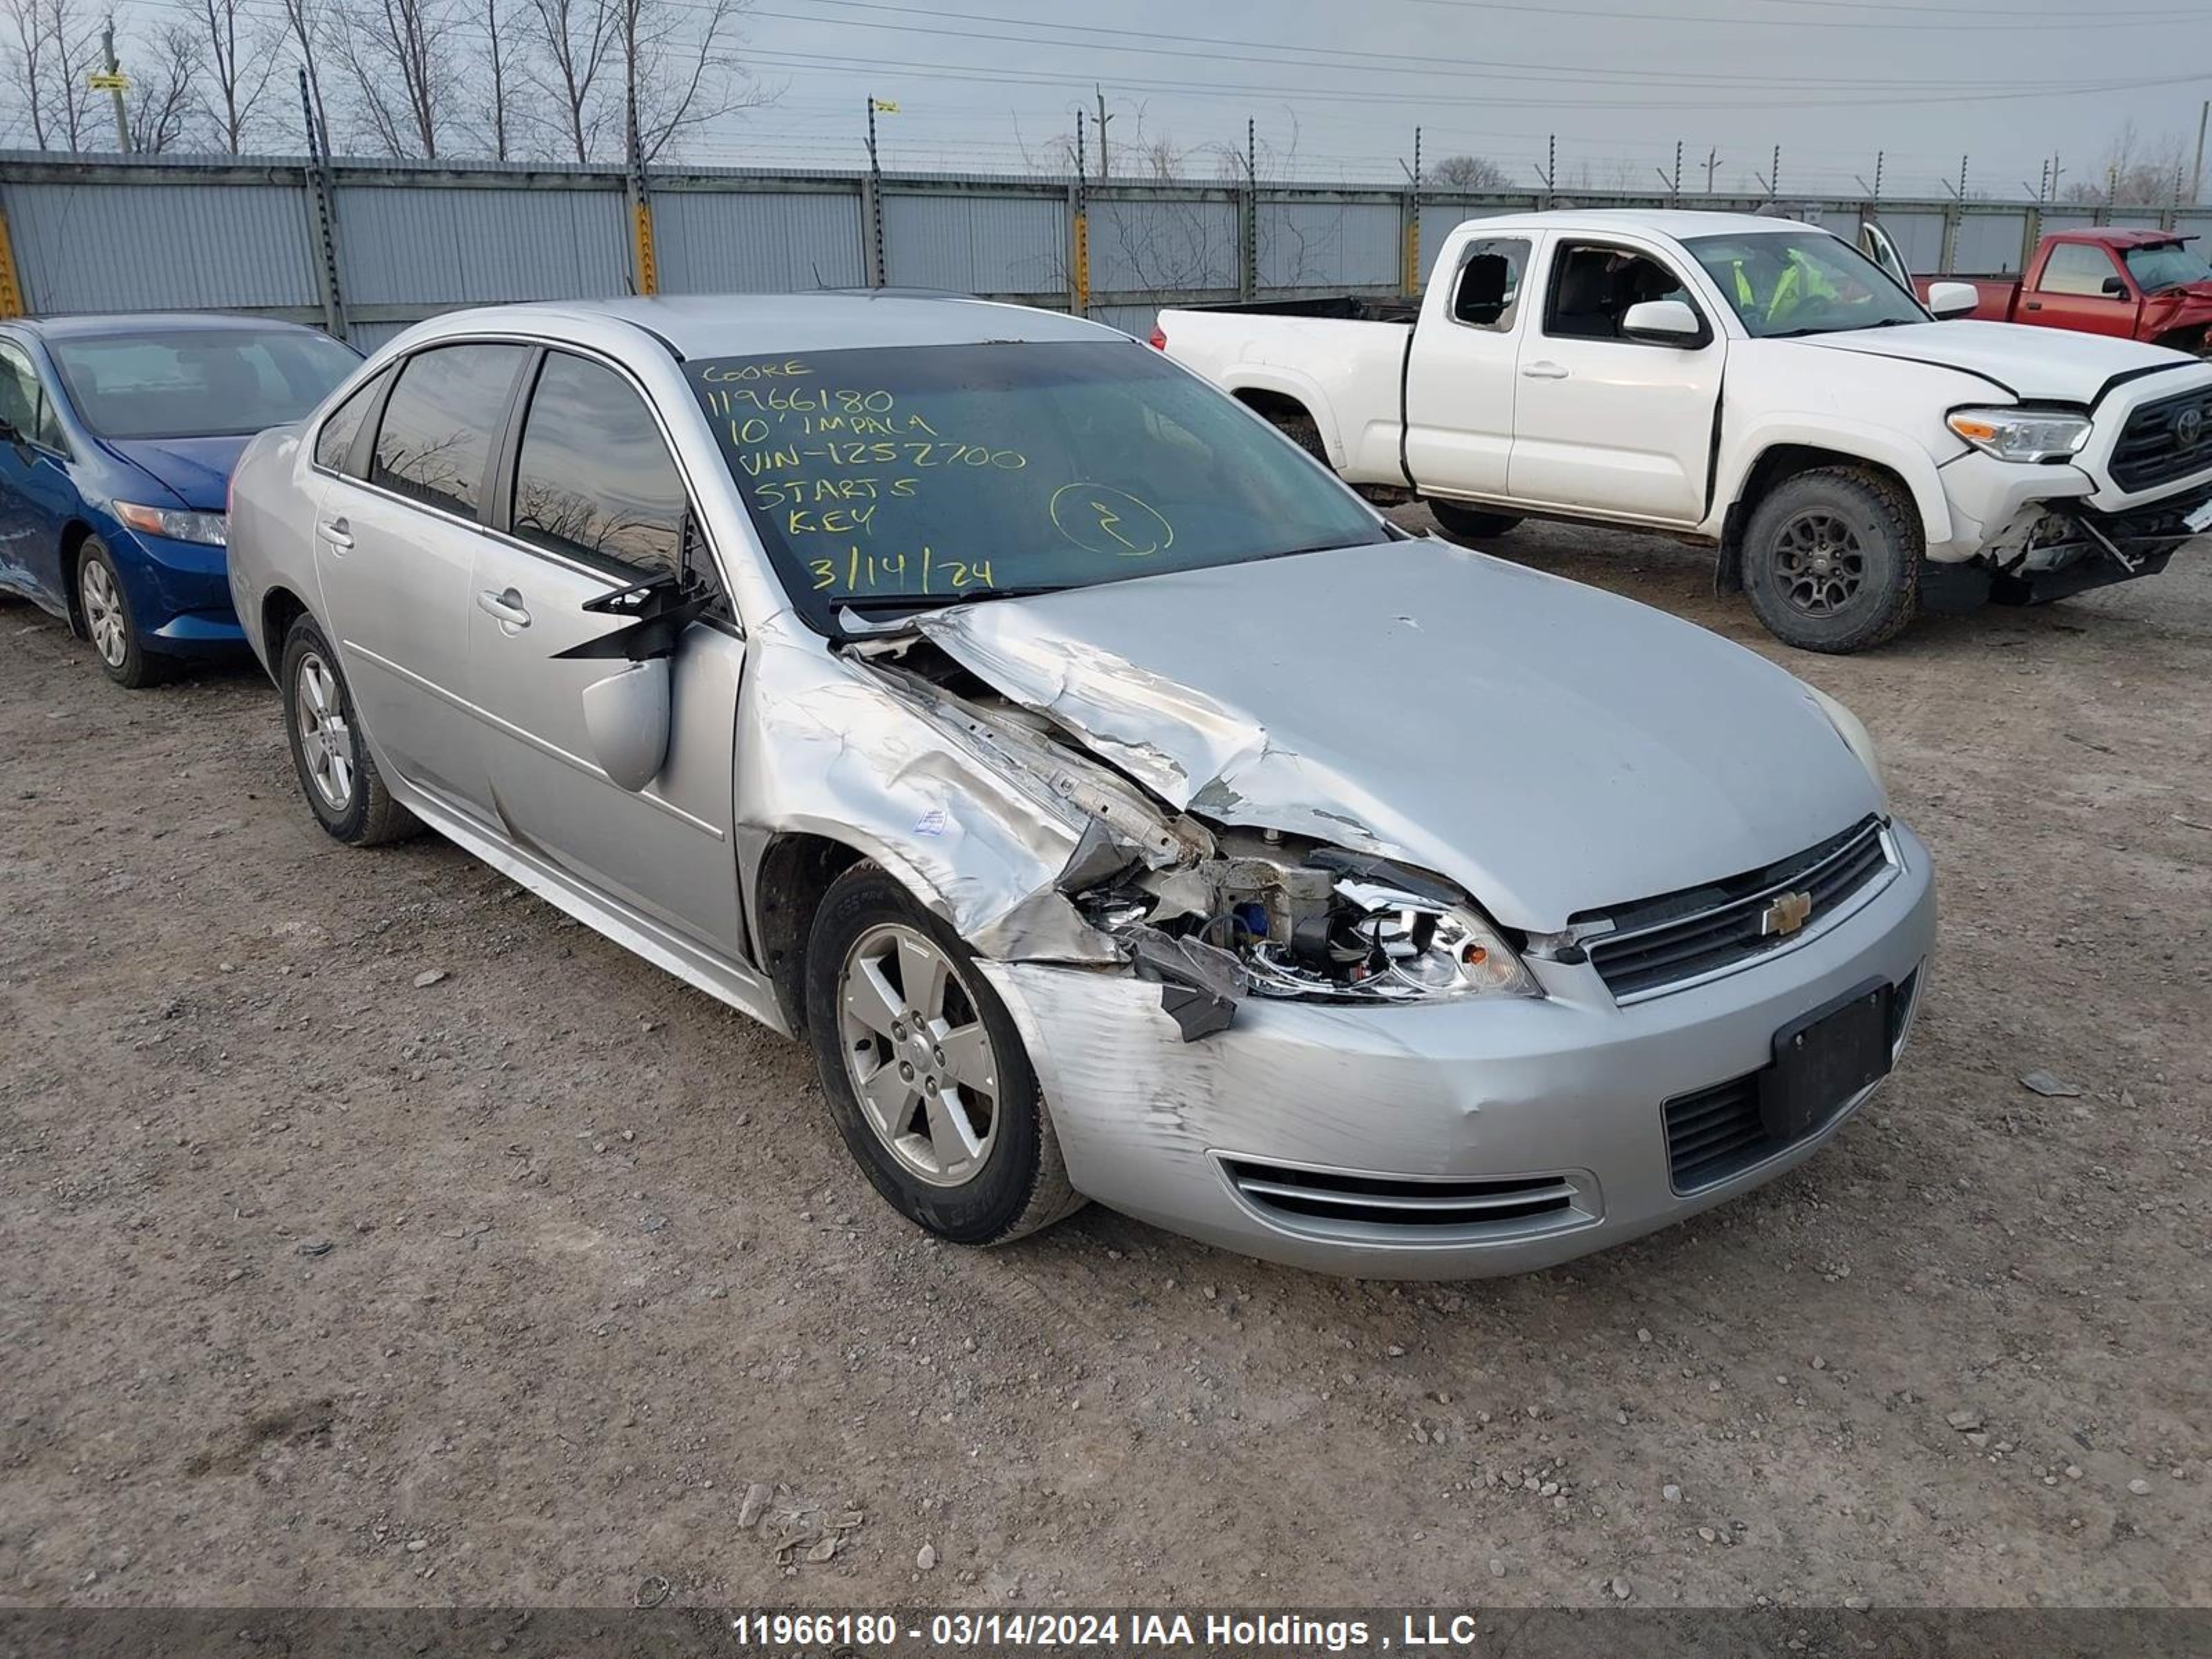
(1785, 916)
(2188, 427)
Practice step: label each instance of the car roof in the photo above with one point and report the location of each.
(747, 325)
(2120, 236)
(1678, 222)
(114, 324)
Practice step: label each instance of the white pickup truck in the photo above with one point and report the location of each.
(1751, 384)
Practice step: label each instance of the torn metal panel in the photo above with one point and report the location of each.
(1571, 751)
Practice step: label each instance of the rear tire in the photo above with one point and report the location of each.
(942, 1112)
(1832, 560)
(330, 755)
(104, 617)
(1469, 525)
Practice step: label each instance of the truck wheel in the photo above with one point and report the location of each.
(1302, 429)
(1832, 560)
(1466, 525)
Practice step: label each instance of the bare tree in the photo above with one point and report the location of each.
(1467, 172)
(492, 130)
(238, 62)
(400, 60)
(682, 67)
(311, 26)
(573, 43)
(162, 94)
(26, 61)
(2137, 172)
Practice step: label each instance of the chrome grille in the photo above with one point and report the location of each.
(2151, 450)
(1661, 944)
(1403, 1203)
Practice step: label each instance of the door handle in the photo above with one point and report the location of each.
(2032, 305)
(1544, 371)
(507, 606)
(336, 531)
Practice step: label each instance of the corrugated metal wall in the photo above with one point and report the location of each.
(998, 243)
(1162, 244)
(151, 232)
(153, 247)
(1990, 244)
(1329, 245)
(432, 246)
(757, 242)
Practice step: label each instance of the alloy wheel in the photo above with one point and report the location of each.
(326, 738)
(917, 1056)
(105, 621)
(1820, 562)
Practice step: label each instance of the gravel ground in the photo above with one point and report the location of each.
(548, 1280)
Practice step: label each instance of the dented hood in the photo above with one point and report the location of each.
(1549, 747)
(2032, 364)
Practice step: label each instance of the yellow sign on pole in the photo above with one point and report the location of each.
(11, 286)
(102, 81)
(1083, 265)
(886, 106)
(648, 270)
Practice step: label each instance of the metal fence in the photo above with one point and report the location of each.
(364, 250)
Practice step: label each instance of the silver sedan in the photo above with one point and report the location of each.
(1119, 805)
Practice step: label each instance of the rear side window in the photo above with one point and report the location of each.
(2076, 268)
(334, 444)
(439, 426)
(593, 478)
(24, 404)
(1490, 282)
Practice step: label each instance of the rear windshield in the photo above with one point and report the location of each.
(198, 383)
(894, 478)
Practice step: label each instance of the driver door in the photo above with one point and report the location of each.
(1878, 245)
(1602, 422)
(591, 500)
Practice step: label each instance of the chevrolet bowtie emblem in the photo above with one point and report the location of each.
(1785, 916)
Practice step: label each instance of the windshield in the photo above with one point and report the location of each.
(1802, 282)
(2166, 265)
(199, 382)
(921, 475)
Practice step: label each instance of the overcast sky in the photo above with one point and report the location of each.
(1346, 82)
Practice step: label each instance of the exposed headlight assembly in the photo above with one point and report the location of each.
(178, 525)
(2021, 435)
(1856, 736)
(1382, 939)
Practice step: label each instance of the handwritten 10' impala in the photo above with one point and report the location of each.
(1120, 808)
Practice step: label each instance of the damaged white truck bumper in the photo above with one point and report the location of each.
(1457, 1139)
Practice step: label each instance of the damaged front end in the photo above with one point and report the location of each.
(1210, 910)
(2053, 549)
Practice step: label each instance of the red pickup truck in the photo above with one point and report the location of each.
(2138, 284)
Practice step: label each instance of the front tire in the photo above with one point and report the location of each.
(926, 1075)
(1832, 560)
(105, 616)
(330, 757)
(1469, 526)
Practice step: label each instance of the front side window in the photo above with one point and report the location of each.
(899, 477)
(2077, 268)
(1594, 287)
(440, 425)
(593, 479)
(198, 382)
(1782, 284)
(334, 443)
(23, 401)
(2166, 265)
(1490, 284)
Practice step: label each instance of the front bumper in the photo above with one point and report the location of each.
(1569, 1088)
(179, 592)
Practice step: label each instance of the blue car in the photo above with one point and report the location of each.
(117, 439)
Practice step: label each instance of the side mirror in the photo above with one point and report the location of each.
(1948, 299)
(1662, 322)
(9, 432)
(626, 717)
(2114, 287)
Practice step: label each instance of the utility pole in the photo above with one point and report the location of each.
(1712, 166)
(2196, 178)
(115, 86)
(1105, 159)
